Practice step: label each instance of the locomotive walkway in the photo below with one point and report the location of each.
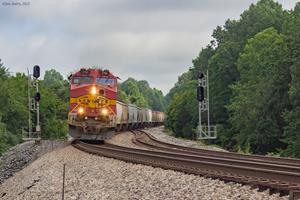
(279, 174)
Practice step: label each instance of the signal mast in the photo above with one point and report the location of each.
(33, 105)
(204, 131)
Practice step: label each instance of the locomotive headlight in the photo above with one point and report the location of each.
(104, 111)
(80, 111)
(94, 90)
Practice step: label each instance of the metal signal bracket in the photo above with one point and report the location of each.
(32, 82)
(32, 133)
(204, 105)
(32, 104)
(205, 131)
(202, 81)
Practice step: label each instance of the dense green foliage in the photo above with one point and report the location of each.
(141, 94)
(292, 116)
(254, 79)
(54, 105)
(12, 110)
(260, 97)
(14, 106)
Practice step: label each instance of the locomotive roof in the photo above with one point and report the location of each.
(94, 73)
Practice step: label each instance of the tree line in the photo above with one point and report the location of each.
(254, 69)
(14, 106)
(141, 94)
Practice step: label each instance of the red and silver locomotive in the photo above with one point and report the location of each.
(92, 113)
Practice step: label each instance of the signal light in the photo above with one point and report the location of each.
(200, 93)
(37, 97)
(36, 71)
(201, 75)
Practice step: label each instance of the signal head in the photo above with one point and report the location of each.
(36, 71)
(200, 93)
(37, 97)
(201, 75)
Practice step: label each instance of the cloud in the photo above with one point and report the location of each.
(152, 40)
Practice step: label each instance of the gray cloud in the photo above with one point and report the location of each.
(152, 40)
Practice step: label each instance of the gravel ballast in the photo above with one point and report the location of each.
(19, 156)
(94, 177)
(123, 139)
(160, 134)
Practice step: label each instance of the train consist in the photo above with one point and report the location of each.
(95, 113)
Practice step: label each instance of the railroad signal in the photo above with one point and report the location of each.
(205, 130)
(33, 105)
(200, 93)
(36, 71)
(37, 97)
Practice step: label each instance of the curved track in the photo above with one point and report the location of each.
(147, 140)
(255, 170)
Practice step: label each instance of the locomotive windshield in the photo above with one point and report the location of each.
(82, 80)
(105, 81)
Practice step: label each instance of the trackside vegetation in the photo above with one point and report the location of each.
(14, 106)
(254, 67)
(141, 94)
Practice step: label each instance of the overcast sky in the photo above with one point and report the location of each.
(154, 40)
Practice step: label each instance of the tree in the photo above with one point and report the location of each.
(182, 115)
(229, 42)
(3, 88)
(54, 80)
(220, 59)
(13, 115)
(122, 96)
(16, 116)
(141, 94)
(292, 115)
(54, 108)
(260, 96)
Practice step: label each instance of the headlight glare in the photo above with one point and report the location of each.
(94, 90)
(104, 111)
(80, 111)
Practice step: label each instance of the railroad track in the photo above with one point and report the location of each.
(222, 160)
(148, 141)
(272, 174)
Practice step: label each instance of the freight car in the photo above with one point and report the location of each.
(95, 113)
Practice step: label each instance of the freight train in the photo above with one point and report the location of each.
(95, 113)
